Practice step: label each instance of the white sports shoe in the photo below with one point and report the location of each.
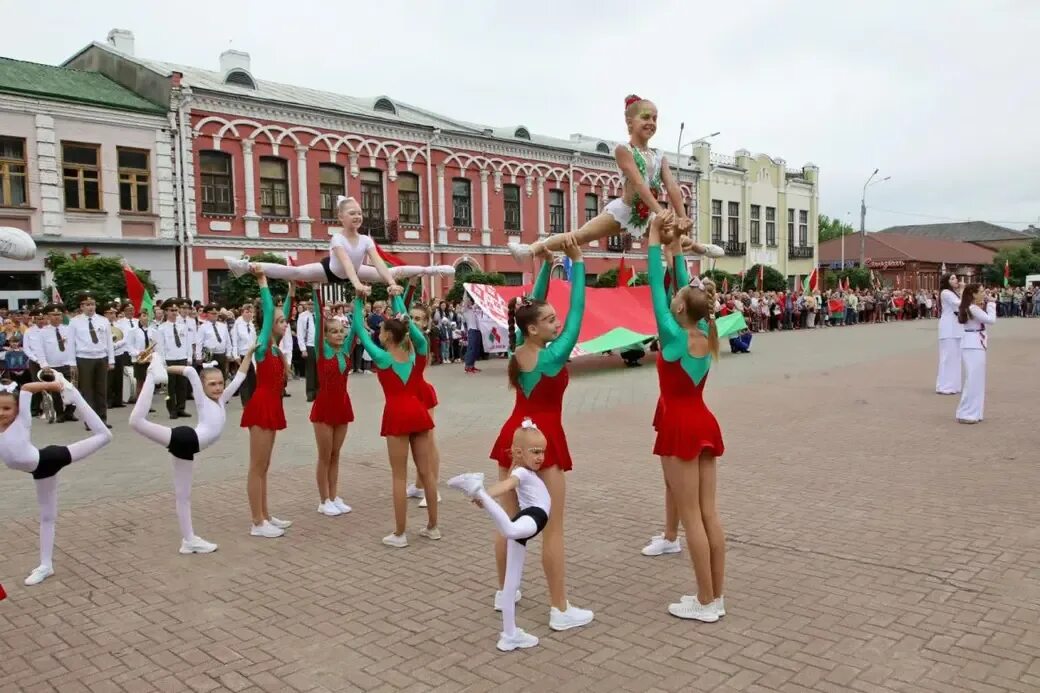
(423, 504)
(498, 599)
(434, 533)
(237, 265)
(694, 610)
(414, 492)
(469, 484)
(659, 545)
(573, 617)
(442, 271)
(712, 250)
(343, 507)
(38, 575)
(519, 251)
(398, 541)
(280, 524)
(719, 604)
(329, 508)
(266, 530)
(197, 545)
(518, 640)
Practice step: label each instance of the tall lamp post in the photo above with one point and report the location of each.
(678, 167)
(863, 217)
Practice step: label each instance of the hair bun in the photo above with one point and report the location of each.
(631, 99)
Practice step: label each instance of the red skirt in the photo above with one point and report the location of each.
(332, 407)
(427, 394)
(265, 408)
(557, 453)
(687, 433)
(404, 416)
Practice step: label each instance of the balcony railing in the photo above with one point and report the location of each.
(619, 244)
(379, 230)
(795, 252)
(736, 248)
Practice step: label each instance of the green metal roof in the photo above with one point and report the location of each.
(66, 84)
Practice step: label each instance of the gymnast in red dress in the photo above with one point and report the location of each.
(688, 436)
(538, 374)
(331, 411)
(264, 415)
(420, 315)
(400, 363)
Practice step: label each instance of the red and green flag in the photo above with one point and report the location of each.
(388, 257)
(136, 292)
(812, 282)
(1007, 272)
(626, 275)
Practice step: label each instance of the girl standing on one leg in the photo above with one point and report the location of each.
(420, 315)
(948, 381)
(184, 442)
(538, 374)
(688, 438)
(406, 420)
(975, 312)
(528, 454)
(264, 415)
(18, 452)
(331, 411)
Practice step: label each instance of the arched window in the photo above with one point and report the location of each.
(386, 105)
(522, 133)
(461, 203)
(464, 268)
(372, 203)
(603, 148)
(240, 78)
(274, 187)
(408, 198)
(215, 183)
(331, 184)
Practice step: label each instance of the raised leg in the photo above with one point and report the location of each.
(139, 422)
(100, 435)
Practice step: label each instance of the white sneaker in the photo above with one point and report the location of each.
(197, 545)
(280, 524)
(38, 575)
(398, 541)
(157, 369)
(498, 599)
(712, 250)
(343, 507)
(694, 610)
(659, 545)
(518, 640)
(469, 484)
(430, 533)
(266, 530)
(413, 492)
(519, 251)
(573, 617)
(719, 604)
(329, 508)
(423, 504)
(443, 271)
(237, 265)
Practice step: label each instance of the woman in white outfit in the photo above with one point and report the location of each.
(974, 318)
(948, 381)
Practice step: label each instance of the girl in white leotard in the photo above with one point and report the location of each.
(18, 452)
(348, 251)
(183, 442)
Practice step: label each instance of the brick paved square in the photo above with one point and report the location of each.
(874, 544)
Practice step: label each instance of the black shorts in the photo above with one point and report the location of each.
(140, 371)
(184, 443)
(326, 264)
(540, 517)
(53, 459)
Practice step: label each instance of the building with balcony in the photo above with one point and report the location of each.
(84, 164)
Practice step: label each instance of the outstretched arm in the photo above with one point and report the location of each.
(668, 329)
(560, 349)
(379, 355)
(263, 339)
(422, 347)
(319, 316)
(383, 270)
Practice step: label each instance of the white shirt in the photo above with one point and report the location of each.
(949, 328)
(211, 413)
(119, 345)
(209, 330)
(87, 348)
(305, 328)
(356, 253)
(531, 491)
(32, 344)
(136, 342)
(16, 449)
(974, 335)
(471, 317)
(125, 325)
(53, 354)
(243, 337)
(168, 335)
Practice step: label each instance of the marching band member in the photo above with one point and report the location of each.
(113, 312)
(140, 339)
(59, 354)
(976, 310)
(91, 337)
(243, 337)
(214, 339)
(948, 381)
(175, 347)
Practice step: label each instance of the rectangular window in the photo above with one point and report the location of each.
(133, 180)
(215, 181)
(734, 222)
(215, 281)
(716, 222)
(591, 207)
(461, 203)
(274, 187)
(13, 189)
(771, 226)
(556, 211)
(81, 170)
(803, 228)
(790, 227)
(756, 219)
(330, 186)
(511, 202)
(372, 202)
(408, 198)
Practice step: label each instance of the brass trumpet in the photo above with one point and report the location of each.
(146, 355)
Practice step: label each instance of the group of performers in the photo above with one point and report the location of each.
(966, 311)
(531, 449)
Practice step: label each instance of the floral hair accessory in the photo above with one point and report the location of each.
(528, 425)
(631, 99)
(696, 283)
(340, 199)
(209, 364)
(525, 300)
(9, 387)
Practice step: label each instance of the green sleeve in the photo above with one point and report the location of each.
(379, 356)
(319, 330)
(541, 283)
(287, 307)
(418, 338)
(263, 340)
(681, 272)
(667, 328)
(560, 349)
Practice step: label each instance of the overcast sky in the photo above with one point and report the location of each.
(942, 95)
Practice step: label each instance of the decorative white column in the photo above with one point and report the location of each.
(51, 185)
(304, 220)
(251, 217)
(442, 226)
(485, 221)
(541, 207)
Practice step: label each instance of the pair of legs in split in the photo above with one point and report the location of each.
(418, 489)
(599, 227)
(314, 273)
(47, 488)
(330, 441)
(397, 447)
(692, 485)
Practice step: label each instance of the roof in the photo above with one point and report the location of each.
(67, 84)
(960, 231)
(895, 246)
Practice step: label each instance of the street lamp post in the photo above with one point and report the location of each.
(678, 169)
(863, 218)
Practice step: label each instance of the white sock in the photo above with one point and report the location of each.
(47, 500)
(515, 554)
(523, 528)
(312, 273)
(182, 473)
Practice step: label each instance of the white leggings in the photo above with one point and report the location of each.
(314, 273)
(47, 489)
(524, 528)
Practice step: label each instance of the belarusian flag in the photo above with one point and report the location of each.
(625, 275)
(1007, 272)
(136, 292)
(811, 282)
(389, 258)
(55, 296)
(761, 276)
(725, 285)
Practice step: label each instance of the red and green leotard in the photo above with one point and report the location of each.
(427, 393)
(265, 409)
(540, 392)
(332, 404)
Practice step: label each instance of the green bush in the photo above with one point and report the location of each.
(772, 280)
(101, 275)
(858, 277)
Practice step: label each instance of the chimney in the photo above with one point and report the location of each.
(233, 60)
(577, 137)
(122, 40)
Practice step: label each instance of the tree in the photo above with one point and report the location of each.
(772, 280)
(859, 278)
(88, 272)
(457, 291)
(833, 228)
(240, 290)
(608, 279)
(1021, 262)
(718, 276)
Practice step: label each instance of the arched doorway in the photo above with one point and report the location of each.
(463, 268)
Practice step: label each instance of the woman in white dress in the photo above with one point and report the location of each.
(948, 381)
(976, 311)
